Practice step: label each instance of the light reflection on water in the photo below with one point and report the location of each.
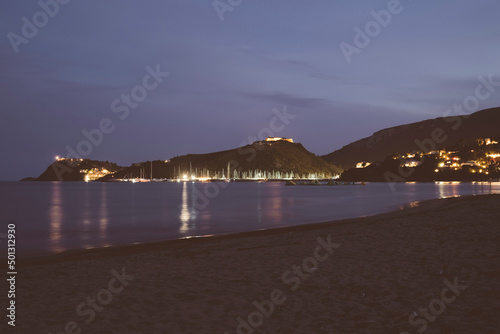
(185, 216)
(103, 215)
(55, 218)
(447, 190)
(276, 204)
(86, 218)
(74, 215)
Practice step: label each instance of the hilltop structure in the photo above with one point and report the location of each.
(290, 140)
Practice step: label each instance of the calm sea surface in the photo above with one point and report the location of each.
(57, 216)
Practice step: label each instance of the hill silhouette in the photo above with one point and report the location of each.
(70, 169)
(463, 130)
(264, 157)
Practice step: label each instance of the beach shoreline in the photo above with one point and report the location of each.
(380, 270)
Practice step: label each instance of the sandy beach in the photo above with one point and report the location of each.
(430, 268)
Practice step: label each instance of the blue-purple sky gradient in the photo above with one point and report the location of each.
(226, 77)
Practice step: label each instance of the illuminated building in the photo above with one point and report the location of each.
(290, 140)
(94, 173)
(411, 163)
(363, 164)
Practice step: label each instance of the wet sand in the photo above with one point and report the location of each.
(439, 261)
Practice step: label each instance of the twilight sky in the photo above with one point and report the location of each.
(227, 76)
